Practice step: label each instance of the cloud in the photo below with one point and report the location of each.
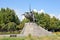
(19, 14)
(21, 17)
(41, 11)
(51, 15)
(35, 10)
(57, 16)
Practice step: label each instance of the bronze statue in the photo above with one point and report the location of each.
(30, 16)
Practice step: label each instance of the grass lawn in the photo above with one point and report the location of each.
(52, 37)
(4, 33)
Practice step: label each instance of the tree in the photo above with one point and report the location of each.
(11, 26)
(53, 23)
(8, 19)
(23, 22)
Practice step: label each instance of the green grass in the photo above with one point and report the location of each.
(15, 32)
(51, 37)
(54, 37)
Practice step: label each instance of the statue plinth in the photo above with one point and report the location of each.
(34, 30)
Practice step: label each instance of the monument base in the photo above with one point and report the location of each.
(34, 30)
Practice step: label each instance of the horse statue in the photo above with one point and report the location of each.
(30, 16)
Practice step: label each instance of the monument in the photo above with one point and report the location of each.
(32, 28)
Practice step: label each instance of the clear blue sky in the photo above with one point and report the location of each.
(20, 6)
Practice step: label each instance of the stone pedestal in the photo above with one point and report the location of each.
(34, 30)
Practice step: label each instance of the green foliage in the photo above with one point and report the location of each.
(23, 22)
(8, 20)
(11, 26)
(45, 21)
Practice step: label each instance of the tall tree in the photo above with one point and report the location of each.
(8, 19)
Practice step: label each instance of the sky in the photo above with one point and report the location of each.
(52, 7)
